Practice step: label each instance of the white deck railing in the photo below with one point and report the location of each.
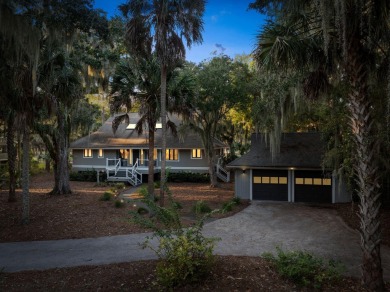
(123, 173)
(221, 172)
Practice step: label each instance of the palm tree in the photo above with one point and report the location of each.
(137, 81)
(20, 45)
(162, 24)
(360, 31)
(136, 85)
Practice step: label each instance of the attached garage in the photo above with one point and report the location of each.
(294, 174)
(270, 185)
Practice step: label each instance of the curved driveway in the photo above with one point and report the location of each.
(257, 229)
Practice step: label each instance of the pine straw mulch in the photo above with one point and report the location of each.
(83, 215)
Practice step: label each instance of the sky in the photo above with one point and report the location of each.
(229, 28)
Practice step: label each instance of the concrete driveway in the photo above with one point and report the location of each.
(293, 226)
(257, 229)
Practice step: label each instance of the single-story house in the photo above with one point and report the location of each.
(125, 153)
(294, 174)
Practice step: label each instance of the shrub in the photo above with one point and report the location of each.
(142, 211)
(87, 175)
(119, 203)
(236, 200)
(143, 191)
(304, 268)
(117, 187)
(187, 258)
(106, 196)
(177, 205)
(201, 207)
(184, 254)
(157, 184)
(228, 206)
(188, 177)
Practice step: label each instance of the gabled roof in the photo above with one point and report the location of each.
(105, 138)
(298, 150)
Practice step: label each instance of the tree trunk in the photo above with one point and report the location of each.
(209, 152)
(151, 162)
(164, 132)
(212, 173)
(11, 150)
(61, 169)
(25, 176)
(366, 166)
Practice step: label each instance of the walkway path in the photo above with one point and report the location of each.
(257, 229)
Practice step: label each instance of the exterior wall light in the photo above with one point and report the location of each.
(243, 171)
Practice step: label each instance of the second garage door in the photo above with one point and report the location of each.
(270, 185)
(312, 186)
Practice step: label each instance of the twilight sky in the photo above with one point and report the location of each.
(228, 27)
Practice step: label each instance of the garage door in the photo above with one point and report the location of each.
(270, 185)
(312, 186)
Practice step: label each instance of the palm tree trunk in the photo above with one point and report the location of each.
(163, 132)
(151, 162)
(25, 175)
(11, 150)
(366, 167)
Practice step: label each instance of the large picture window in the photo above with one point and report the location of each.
(172, 154)
(196, 153)
(88, 153)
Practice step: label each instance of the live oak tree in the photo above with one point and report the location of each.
(220, 84)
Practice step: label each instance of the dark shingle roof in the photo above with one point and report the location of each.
(299, 150)
(105, 138)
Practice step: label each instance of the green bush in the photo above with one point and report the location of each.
(188, 177)
(157, 184)
(228, 206)
(143, 191)
(184, 254)
(177, 205)
(106, 196)
(304, 268)
(187, 258)
(87, 175)
(142, 211)
(119, 203)
(236, 200)
(201, 207)
(118, 186)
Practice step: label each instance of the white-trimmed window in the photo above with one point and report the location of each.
(88, 153)
(172, 154)
(196, 154)
(101, 153)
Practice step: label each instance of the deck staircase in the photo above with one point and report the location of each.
(116, 172)
(221, 172)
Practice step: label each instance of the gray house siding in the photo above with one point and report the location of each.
(186, 163)
(88, 163)
(242, 182)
